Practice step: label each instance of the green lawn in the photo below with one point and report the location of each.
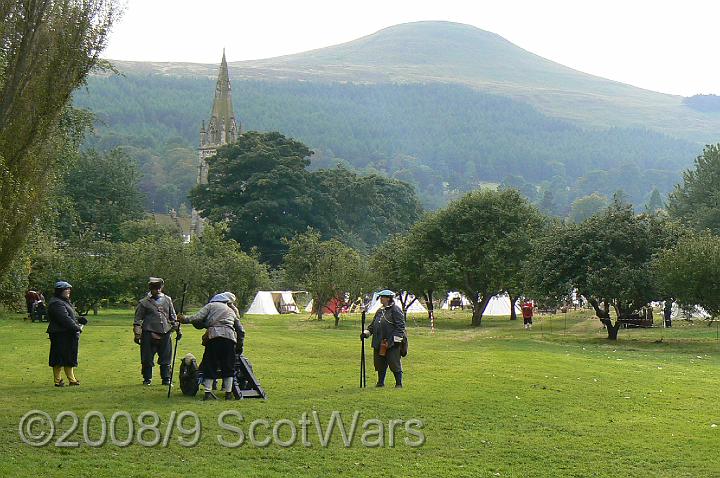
(495, 401)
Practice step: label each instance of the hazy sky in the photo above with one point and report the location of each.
(663, 45)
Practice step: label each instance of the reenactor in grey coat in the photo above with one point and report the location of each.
(154, 320)
(224, 338)
(388, 331)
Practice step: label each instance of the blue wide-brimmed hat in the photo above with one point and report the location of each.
(386, 293)
(62, 285)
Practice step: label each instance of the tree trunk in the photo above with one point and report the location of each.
(603, 314)
(337, 318)
(479, 308)
(430, 308)
(612, 330)
(319, 306)
(513, 314)
(404, 304)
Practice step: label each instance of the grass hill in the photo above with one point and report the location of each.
(445, 106)
(446, 52)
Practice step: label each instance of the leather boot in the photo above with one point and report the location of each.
(147, 375)
(381, 378)
(165, 374)
(398, 379)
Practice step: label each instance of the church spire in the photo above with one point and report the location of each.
(222, 128)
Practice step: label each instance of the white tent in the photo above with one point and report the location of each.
(500, 305)
(273, 302)
(263, 304)
(287, 303)
(454, 295)
(695, 312)
(415, 308)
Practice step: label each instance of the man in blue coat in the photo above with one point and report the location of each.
(388, 331)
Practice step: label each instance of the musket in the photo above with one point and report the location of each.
(363, 378)
(172, 366)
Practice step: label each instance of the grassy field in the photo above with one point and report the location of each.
(558, 400)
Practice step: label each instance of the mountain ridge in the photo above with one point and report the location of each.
(447, 52)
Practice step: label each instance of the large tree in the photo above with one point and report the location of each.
(584, 207)
(690, 272)
(486, 235)
(261, 187)
(94, 268)
(47, 49)
(326, 269)
(371, 207)
(607, 258)
(696, 202)
(414, 262)
(219, 265)
(104, 193)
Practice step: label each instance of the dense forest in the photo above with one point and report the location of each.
(445, 139)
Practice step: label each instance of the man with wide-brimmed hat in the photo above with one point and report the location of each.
(154, 320)
(388, 331)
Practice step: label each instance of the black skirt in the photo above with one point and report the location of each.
(64, 349)
(219, 356)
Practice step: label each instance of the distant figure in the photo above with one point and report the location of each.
(39, 310)
(667, 312)
(527, 313)
(31, 296)
(64, 329)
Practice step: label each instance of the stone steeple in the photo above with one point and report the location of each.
(222, 129)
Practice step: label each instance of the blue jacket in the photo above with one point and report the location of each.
(62, 317)
(388, 323)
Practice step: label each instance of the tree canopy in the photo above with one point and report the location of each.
(326, 269)
(103, 192)
(607, 258)
(47, 50)
(689, 272)
(696, 201)
(484, 237)
(261, 186)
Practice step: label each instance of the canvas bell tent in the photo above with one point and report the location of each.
(500, 305)
(273, 303)
(688, 312)
(415, 308)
